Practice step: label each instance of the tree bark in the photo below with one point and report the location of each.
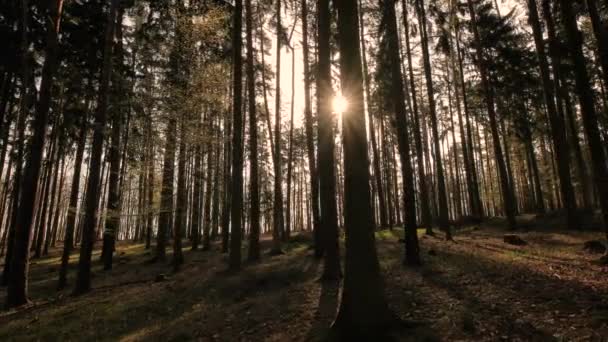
(254, 188)
(587, 103)
(558, 133)
(19, 263)
(237, 140)
(327, 176)
(363, 312)
(83, 280)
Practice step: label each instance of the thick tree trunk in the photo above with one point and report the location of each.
(327, 176)
(83, 280)
(363, 312)
(587, 103)
(19, 263)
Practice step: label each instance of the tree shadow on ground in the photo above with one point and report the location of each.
(326, 311)
(515, 290)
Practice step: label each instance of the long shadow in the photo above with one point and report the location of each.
(325, 313)
(150, 308)
(527, 285)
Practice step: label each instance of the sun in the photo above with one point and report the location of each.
(339, 104)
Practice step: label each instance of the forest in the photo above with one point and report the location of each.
(304, 170)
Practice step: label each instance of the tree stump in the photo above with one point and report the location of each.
(515, 240)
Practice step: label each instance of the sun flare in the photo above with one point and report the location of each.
(339, 104)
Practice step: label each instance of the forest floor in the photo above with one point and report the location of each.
(477, 288)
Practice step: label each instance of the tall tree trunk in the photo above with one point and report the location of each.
(363, 311)
(278, 217)
(441, 188)
(601, 37)
(327, 176)
(237, 139)
(412, 250)
(558, 133)
(372, 130)
(507, 193)
(182, 197)
(288, 223)
(587, 103)
(83, 280)
(112, 223)
(310, 145)
(254, 188)
(19, 263)
(425, 211)
(68, 240)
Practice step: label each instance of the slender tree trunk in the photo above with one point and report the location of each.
(112, 223)
(254, 188)
(310, 145)
(412, 250)
(237, 140)
(441, 188)
(507, 193)
(278, 173)
(601, 37)
(425, 211)
(558, 133)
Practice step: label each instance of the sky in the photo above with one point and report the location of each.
(286, 63)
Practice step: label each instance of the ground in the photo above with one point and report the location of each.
(474, 289)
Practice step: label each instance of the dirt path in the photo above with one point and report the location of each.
(476, 289)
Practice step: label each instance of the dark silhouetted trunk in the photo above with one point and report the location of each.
(363, 312)
(587, 103)
(327, 176)
(254, 188)
(441, 188)
(237, 140)
(19, 261)
(507, 192)
(310, 145)
(412, 250)
(83, 280)
(558, 133)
